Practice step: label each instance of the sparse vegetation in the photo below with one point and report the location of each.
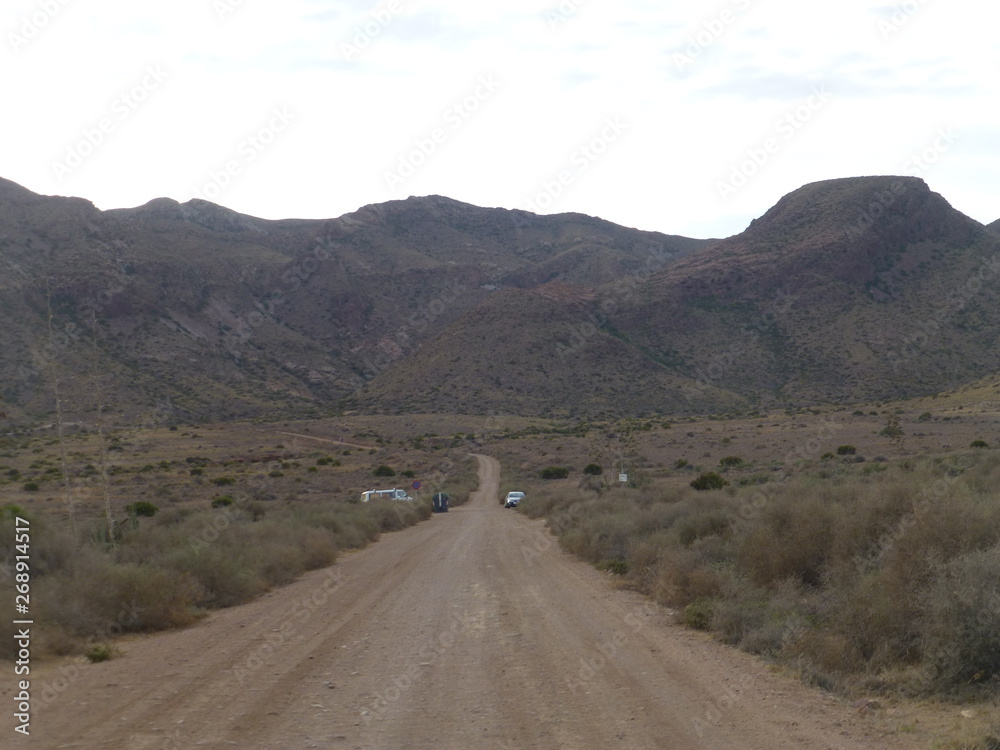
(194, 549)
(879, 581)
(383, 471)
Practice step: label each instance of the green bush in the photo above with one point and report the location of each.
(100, 652)
(384, 471)
(709, 481)
(615, 567)
(554, 472)
(593, 470)
(846, 450)
(223, 481)
(141, 508)
(979, 444)
(222, 501)
(698, 614)
(31, 487)
(730, 462)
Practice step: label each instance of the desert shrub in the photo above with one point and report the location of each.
(740, 611)
(684, 575)
(383, 471)
(97, 598)
(925, 417)
(698, 614)
(593, 470)
(141, 508)
(30, 487)
(100, 652)
(554, 472)
(616, 566)
(222, 501)
(702, 524)
(791, 541)
(223, 576)
(979, 444)
(846, 450)
(709, 481)
(223, 481)
(398, 515)
(319, 549)
(960, 624)
(602, 531)
(730, 462)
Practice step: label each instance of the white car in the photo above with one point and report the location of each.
(512, 499)
(393, 494)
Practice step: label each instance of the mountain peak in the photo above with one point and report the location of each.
(833, 206)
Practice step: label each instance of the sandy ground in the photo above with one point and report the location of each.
(471, 630)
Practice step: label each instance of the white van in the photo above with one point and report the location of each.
(392, 494)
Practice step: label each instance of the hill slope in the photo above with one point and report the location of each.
(193, 311)
(852, 289)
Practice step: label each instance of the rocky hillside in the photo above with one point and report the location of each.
(180, 311)
(846, 290)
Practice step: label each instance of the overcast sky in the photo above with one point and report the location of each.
(682, 117)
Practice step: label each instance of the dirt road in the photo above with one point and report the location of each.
(470, 631)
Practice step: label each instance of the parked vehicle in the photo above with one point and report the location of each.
(512, 499)
(393, 494)
(439, 502)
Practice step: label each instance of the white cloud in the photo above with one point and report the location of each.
(564, 67)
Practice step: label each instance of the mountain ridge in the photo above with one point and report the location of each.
(828, 297)
(222, 315)
(845, 290)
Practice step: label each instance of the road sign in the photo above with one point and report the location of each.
(623, 477)
(416, 485)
